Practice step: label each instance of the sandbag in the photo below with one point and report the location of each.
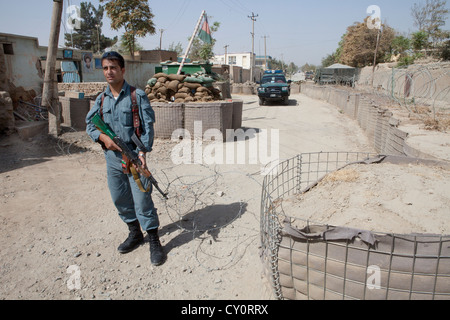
(178, 77)
(151, 82)
(192, 86)
(184, 90)
(203, 89)
(162, 90)
(181, 95)
(193, 80)
(173, 85)
(159, 75)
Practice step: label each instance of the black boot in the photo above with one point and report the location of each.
(157, 255)
(134, 240)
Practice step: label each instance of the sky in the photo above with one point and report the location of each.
(296, 31)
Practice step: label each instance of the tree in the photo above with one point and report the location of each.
(329, 60)
(400, 45)
(308, 67)
(360, 42)
(292, 68)
(430, 17)
(178, 48)
(89, 35)
(123, 46)
(133, 15)
(419, 40)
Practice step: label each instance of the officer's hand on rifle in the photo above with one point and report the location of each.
(109, 143)
(143, 159)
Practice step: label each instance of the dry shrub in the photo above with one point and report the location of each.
(344, 175)
(437, 124)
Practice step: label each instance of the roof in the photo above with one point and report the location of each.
(339, 66)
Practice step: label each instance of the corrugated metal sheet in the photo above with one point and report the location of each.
(70, 72)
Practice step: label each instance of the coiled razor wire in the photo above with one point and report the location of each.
(414, 86)
(191, 198)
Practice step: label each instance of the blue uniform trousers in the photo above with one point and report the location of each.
(131, 203)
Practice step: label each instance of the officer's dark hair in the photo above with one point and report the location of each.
(113, 55)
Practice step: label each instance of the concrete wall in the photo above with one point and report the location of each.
(23, 67)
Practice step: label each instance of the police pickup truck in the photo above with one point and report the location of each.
(274, 87)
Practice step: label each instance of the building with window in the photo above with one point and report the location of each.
(243, 60)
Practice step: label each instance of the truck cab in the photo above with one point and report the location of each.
(274, 87)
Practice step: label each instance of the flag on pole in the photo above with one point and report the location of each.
(205, 32)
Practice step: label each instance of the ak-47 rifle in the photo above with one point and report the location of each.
(127, 152)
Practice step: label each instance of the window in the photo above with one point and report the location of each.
(8, 48)
(232, 60)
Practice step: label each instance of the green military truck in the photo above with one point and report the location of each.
(274, 87)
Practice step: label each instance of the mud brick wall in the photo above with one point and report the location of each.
(90, 89)
(378, 122)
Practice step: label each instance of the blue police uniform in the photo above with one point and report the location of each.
(131, 203)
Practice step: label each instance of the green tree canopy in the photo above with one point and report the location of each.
(133, 15)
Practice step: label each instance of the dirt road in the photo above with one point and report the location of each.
(59, 230)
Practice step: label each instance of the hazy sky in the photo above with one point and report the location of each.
(297, 31)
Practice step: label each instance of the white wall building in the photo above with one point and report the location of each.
(235, 59)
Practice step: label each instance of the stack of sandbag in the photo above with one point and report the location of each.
(181, 89)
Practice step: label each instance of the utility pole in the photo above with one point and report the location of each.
(265, 52)
(98, 36)
(253, 17)
(226, 53)
(161, 31)
(375, 55)
(50, 88)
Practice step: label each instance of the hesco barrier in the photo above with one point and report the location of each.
(217, 115)
(378, 123)
(220, 115)
(323, 262)
(169, 117)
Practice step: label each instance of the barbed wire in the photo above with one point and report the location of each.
(193, 208)
(413, 87)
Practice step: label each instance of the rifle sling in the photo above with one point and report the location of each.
(138, 180)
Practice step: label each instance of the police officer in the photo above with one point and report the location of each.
(136, 208)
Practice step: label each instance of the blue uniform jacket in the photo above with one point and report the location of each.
(119, 116)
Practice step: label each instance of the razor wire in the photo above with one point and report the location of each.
(190, 198)
(423, 90)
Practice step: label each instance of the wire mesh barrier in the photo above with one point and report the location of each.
(307, 260)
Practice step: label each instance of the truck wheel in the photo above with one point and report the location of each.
(286, 101)
(261, 101)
